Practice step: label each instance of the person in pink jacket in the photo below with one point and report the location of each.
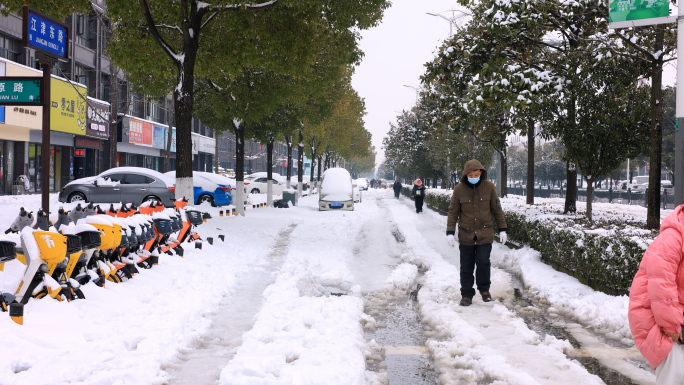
(656, 301)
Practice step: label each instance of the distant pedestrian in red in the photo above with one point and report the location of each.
(418, 193)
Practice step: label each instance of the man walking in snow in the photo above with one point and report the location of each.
(475, 206)
(397, 188)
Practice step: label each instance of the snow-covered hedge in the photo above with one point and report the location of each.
(604, 260)
(605, 263)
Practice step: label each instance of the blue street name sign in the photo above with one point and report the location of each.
(45, 34)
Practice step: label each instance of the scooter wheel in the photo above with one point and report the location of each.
(67, 295)
(79, 294)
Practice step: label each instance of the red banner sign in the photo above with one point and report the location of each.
(140, 132)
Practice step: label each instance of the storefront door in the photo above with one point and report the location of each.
(79, 165)
(55, 168)
(2, 168)
(91, 162)
(34, 166)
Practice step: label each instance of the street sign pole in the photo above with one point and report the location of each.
(635, 13)
(50, 39)
(679, 114)
(46, 62)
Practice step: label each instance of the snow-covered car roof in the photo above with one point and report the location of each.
(169, 181)
(336, 181)
(218, 179)
(204, 180)
(264, 174)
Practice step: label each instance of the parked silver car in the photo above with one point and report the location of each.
(122, 184)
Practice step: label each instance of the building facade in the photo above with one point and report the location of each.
(80, 115)
(255, 155)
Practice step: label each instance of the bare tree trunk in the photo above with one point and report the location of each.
(183, 107)
(216, 152)
(314, 158)
(656, 148)
(239, 167)
(113, 118)
(571, 188)
(320, 158)
(312, 178)
(300, 165)
(288, 140)
(504, 164)
(530, 161)
(169, 139)
(571, 168)
(590, 198)
(269, 171)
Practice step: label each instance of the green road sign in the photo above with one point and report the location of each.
(625, 13)
(20, 91)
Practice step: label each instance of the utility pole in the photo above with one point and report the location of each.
(679, 115)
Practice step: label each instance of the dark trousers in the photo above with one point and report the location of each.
(419, 203)
(396, 193)
(471, 256)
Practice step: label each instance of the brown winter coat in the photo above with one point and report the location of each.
(475, 209)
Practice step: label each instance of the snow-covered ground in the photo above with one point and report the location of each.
(295, 282)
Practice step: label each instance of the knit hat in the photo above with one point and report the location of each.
(418, 182)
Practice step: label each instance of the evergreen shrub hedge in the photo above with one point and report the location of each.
(607, 264)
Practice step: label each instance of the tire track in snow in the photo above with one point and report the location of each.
(483, 343)
(395, 332)
(612, 363)
(202, 361)
(309, 327)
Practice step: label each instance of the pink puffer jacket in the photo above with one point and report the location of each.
(656, 299)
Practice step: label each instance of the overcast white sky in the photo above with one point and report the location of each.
(395, 53)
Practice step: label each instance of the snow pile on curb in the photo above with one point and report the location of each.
(509, 351)
(605, 314)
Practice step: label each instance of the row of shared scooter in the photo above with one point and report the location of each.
(90, 245)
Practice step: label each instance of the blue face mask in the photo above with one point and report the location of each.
(474, 180)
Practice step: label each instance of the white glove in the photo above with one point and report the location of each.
(451, 241)
(502, 237)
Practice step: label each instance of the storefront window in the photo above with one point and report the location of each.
(2, 166)
(55, 170)
(34, 166)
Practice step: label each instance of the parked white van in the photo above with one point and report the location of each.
(336, 191)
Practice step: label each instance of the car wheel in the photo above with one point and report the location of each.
(76, 197)
(255, 191)
(151, 198)
(205, 198)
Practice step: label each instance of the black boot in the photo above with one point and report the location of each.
(486, 297)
